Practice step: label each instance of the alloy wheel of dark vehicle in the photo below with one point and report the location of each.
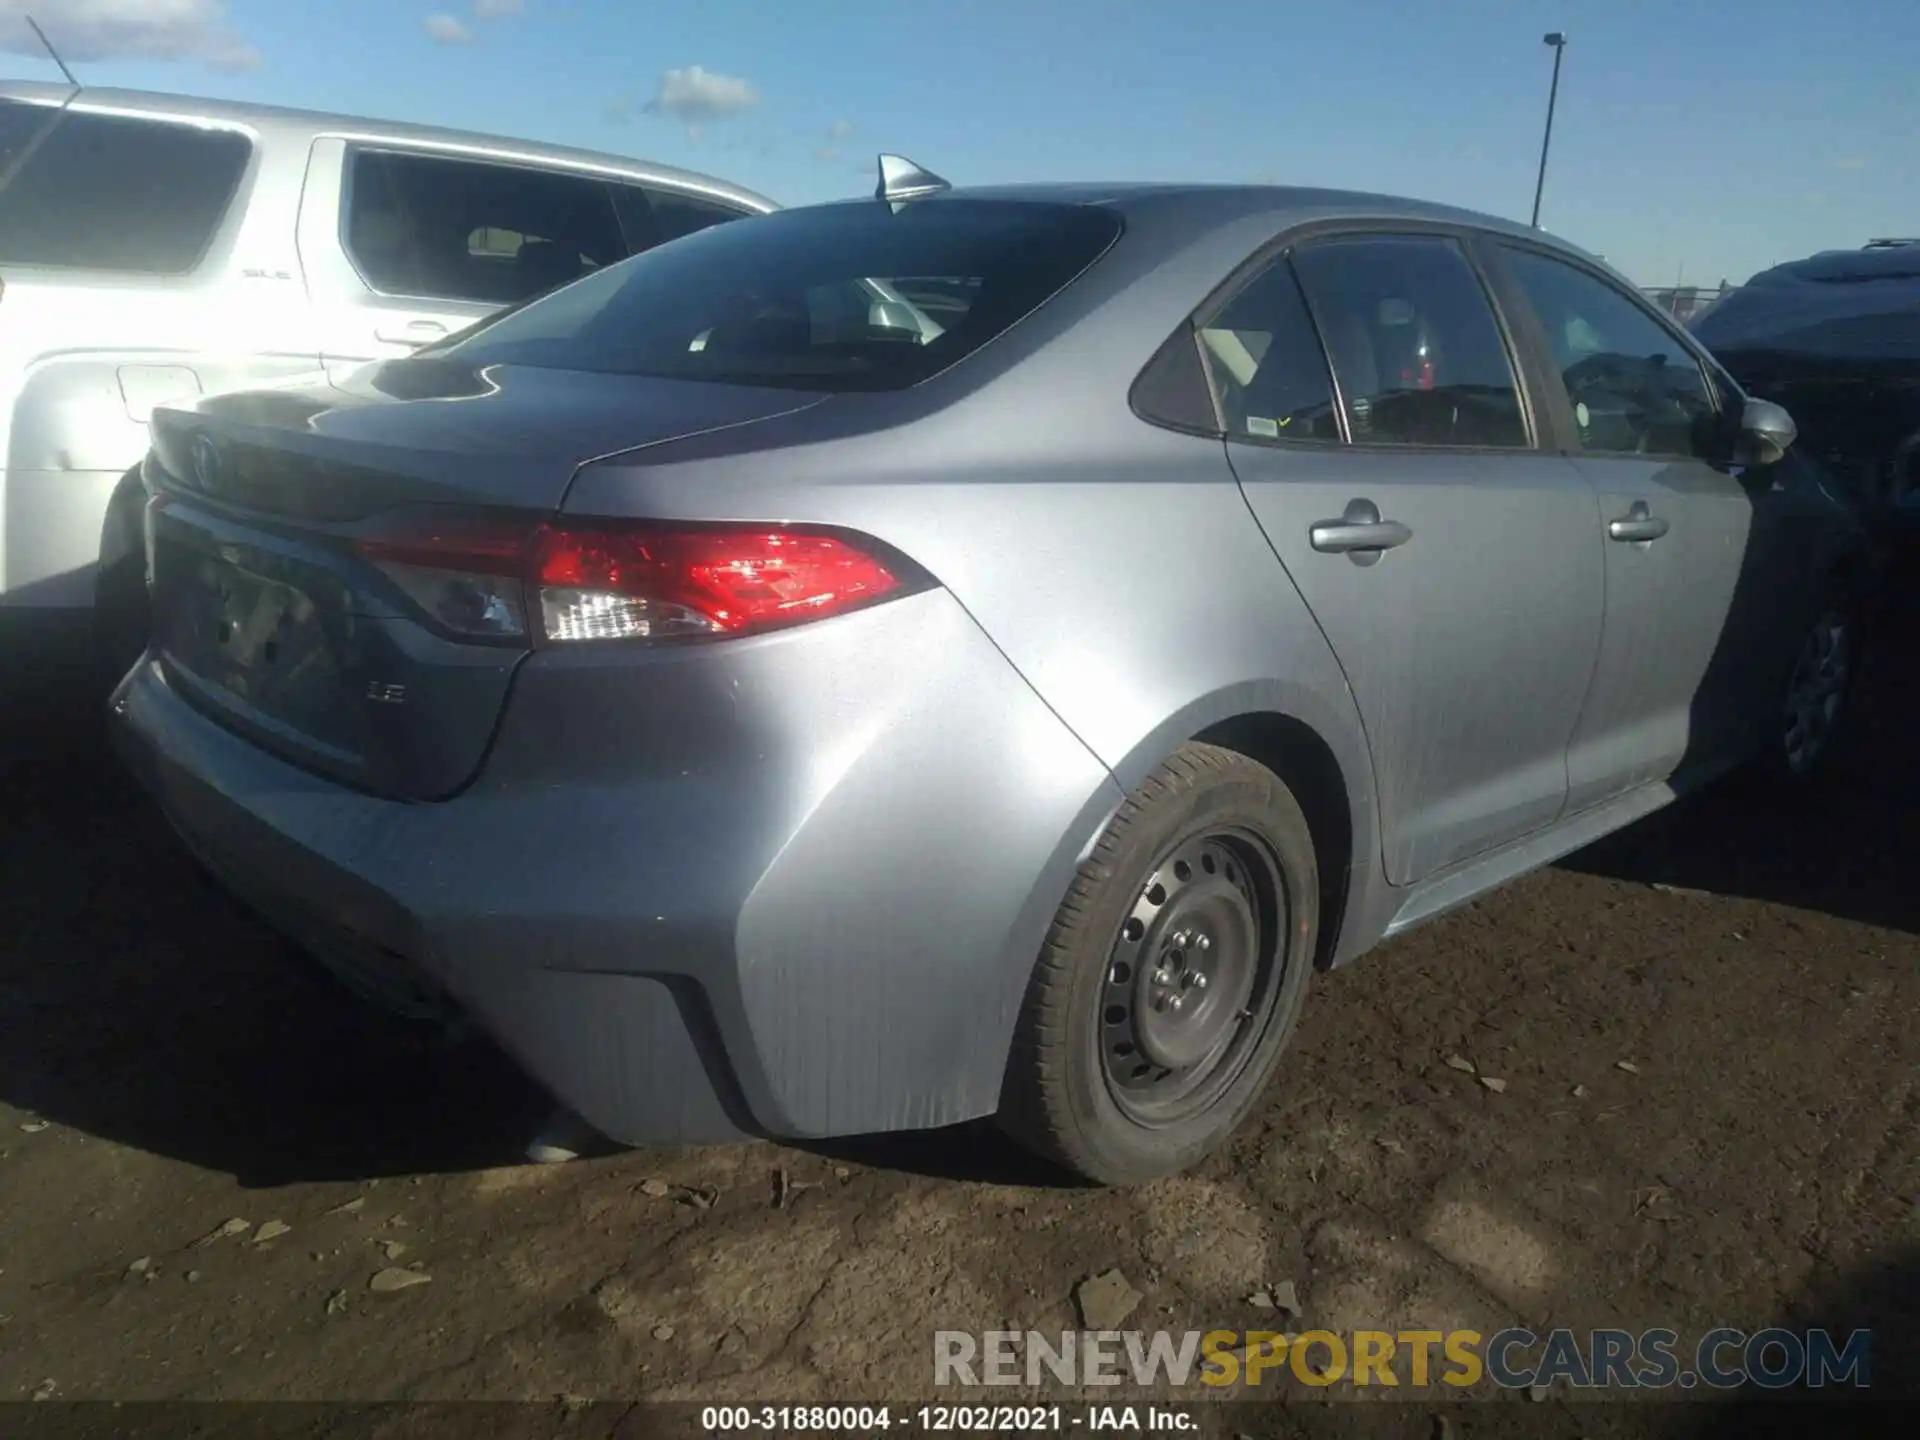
(1817, 691)
(1172, 976)
(122, 621)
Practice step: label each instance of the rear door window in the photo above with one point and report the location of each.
(1416, 349)
(831, 297)
(115, 193)
(1268, 370)
(438, 228)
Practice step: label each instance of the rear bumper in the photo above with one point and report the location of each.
(789, 886)
(50, 536)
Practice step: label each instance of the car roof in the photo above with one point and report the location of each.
(1880, 261)
(1207, 206)
(1227, 197)
(298, 122)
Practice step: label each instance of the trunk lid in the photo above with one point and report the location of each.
(433, 432)
(269, 617)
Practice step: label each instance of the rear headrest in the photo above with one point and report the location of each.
(1354, 354)
(543, 264)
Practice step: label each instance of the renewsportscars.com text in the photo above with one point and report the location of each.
(1721, 1359)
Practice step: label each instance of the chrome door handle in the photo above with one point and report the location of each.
(1639, 525)
(1360, 534)
(1343, 537)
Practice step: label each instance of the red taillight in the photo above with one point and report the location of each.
(603, 584)
(654, 581)
(477, 549)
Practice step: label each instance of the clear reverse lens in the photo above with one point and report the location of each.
(599, 615)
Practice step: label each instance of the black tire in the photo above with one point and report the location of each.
(122, 614)
(1073, 1094)
(1800, 735)
(122, 621)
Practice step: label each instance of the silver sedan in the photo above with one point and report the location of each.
(769, 713)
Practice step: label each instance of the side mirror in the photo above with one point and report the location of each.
(1767, 432)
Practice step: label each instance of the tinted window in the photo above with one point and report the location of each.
(1266, 363)
(1415, 346)
(1174, 390)
(652, 216)
(1632, 386)
(19, 123)
(427, 226)
(834, 297)
(677, 215)
(103, 192)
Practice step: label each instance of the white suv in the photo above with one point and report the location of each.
(154, 248)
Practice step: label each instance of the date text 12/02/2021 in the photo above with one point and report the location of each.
(939, 1419)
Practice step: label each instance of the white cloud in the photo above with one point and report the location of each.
(695, 96)
(836, 132)
(447, 30)
(494, 9)
(84, 31)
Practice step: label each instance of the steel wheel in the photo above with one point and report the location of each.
(1816, 692)
(1190, 970)
(1172, 976)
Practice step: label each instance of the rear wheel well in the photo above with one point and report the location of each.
(1295, 752)
(1851, 579)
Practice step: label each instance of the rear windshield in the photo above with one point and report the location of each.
(833, 297)
(111, 192)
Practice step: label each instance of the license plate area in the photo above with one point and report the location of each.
(288, 640)
(248, 628)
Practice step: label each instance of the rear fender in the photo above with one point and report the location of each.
(1334, 721)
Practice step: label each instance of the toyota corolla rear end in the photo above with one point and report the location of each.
(720, 828)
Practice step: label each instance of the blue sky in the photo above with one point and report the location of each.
(1694, 139)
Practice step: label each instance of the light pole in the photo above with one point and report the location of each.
(1559, 43)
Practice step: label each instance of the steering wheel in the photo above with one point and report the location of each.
(1608, 377)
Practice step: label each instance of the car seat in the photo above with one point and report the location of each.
(540, 265)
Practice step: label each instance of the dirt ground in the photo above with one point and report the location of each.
(166, 1067)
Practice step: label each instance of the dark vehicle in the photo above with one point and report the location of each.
(1835, 339)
